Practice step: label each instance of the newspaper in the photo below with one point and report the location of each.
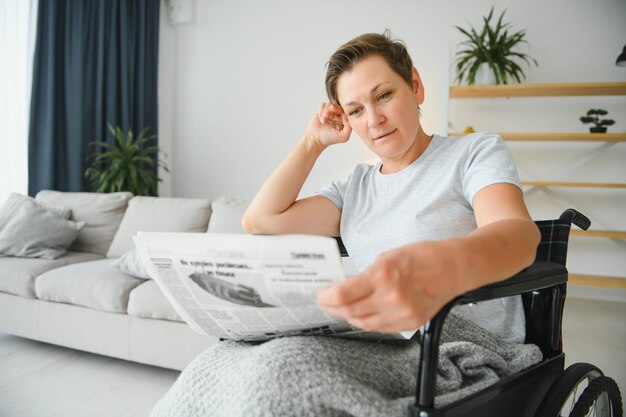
(249, 287)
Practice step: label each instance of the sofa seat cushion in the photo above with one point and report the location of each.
(147, 301)
(17, 275)
(97, 284)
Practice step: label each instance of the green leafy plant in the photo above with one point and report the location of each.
(495, 46)
(129, 164)
(593, 116)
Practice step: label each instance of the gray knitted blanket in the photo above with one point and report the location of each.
(327, 376)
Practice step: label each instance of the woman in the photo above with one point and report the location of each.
(434, 218)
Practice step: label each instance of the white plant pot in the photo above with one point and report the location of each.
(484, 75)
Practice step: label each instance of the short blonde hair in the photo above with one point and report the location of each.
(394, 52)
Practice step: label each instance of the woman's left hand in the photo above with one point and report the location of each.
(401, 290)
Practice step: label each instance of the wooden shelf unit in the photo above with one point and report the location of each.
(558, 90)
(558, 137)
(597, 280)
(611, 234)
(539, 90)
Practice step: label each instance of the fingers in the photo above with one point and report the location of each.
(329, 126)
(329, 112)
(320, 112)
(345, 292)
(356, 297)
(382, 298)
(370, 314)
(358, 310)
(379, 323)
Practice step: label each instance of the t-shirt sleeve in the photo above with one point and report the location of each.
(336, 191)
(488, 162)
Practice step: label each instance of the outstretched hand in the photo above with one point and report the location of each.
(329, 125)
(400, 291)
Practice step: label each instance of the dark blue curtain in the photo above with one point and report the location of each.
(95, 63)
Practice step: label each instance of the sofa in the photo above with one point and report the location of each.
(84, 298)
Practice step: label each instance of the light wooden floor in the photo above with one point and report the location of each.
(41, 380)
(595, 332)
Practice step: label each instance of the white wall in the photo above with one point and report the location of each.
(239, 84)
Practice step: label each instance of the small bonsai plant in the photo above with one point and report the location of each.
(593, 116)
(129, 164)
(495, 47)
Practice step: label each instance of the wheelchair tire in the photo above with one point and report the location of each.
(565, 391)
(603, 394)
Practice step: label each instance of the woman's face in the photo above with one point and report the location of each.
(381, 107)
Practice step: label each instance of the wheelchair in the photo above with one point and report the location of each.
(545, 389)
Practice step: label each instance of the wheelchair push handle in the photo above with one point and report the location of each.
(572, 216)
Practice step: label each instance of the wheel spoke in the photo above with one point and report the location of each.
(573, 399)
(602, 405)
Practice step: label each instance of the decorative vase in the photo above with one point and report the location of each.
(484, 75)
(598, 129)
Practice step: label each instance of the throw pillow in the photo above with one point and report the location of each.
(130, 263)
(14, 201)
(35, 232)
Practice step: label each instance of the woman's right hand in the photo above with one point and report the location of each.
(328, 126)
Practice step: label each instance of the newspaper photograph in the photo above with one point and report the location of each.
(248, 287)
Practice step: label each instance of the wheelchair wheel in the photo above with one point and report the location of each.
(567, 389)
(601, 398)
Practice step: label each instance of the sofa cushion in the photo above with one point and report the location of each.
(17, 275)
(15, 200)
(96, 284)
(36, 232)
(148, 301)
(159, 214)
(226, 215)
(101, 212)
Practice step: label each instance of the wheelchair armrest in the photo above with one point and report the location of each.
(539, 276)
(536, 277)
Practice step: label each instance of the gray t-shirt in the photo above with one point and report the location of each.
(431, 199)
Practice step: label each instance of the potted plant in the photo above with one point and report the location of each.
(593, 116)
(493, 49)
(129, 164)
